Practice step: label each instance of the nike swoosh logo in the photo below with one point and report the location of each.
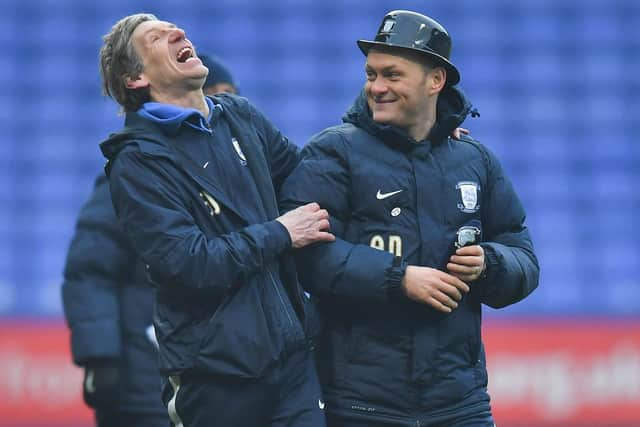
(382, 196)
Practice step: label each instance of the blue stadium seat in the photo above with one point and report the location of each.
(556, 84)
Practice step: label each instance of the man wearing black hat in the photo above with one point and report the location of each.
(428, 228)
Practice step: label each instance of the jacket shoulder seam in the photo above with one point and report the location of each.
(476, 144)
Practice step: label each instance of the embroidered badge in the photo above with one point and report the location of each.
(469, 196)
(243, 159)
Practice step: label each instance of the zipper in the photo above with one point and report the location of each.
(284, 305)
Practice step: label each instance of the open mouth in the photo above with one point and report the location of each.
(185, 54)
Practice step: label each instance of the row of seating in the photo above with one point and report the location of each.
(555, 82)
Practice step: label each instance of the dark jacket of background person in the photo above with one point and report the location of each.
(108, 304)
(228, 300)
(383, 356)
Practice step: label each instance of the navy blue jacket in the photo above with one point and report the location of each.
(108, 303)
(393, 201)
(228, 299)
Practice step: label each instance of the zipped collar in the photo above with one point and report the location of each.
(452, 109)
(142, 131)
(170, 117)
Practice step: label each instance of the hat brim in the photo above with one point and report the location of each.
(453, 76)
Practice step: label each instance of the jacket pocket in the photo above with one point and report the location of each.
(332, 351)
(239, 339)
(378, 367)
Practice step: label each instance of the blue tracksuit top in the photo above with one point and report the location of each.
(228, 301)
(215, 149)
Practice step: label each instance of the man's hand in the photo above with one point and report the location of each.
(468, 263)
(307, 224)
(457, 132)
(436, 288)
(101, 385)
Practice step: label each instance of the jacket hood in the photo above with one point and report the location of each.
(452, 109)
(117, 141)
(136, 128)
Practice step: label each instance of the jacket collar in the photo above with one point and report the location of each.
(172, 117)
(452, 109)
(155, 139)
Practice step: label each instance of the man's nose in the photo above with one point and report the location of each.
(378, 86)
(176, 35)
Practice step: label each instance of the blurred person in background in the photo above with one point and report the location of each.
(193, 181)
(108, 304)
(219, 79)
(427, 230)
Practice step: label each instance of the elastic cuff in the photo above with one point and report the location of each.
(280, 235)
(394, 278)
(492, 261)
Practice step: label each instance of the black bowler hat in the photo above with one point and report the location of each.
(412, 31)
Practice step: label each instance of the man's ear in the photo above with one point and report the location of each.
(437, 80)
(135, 83)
